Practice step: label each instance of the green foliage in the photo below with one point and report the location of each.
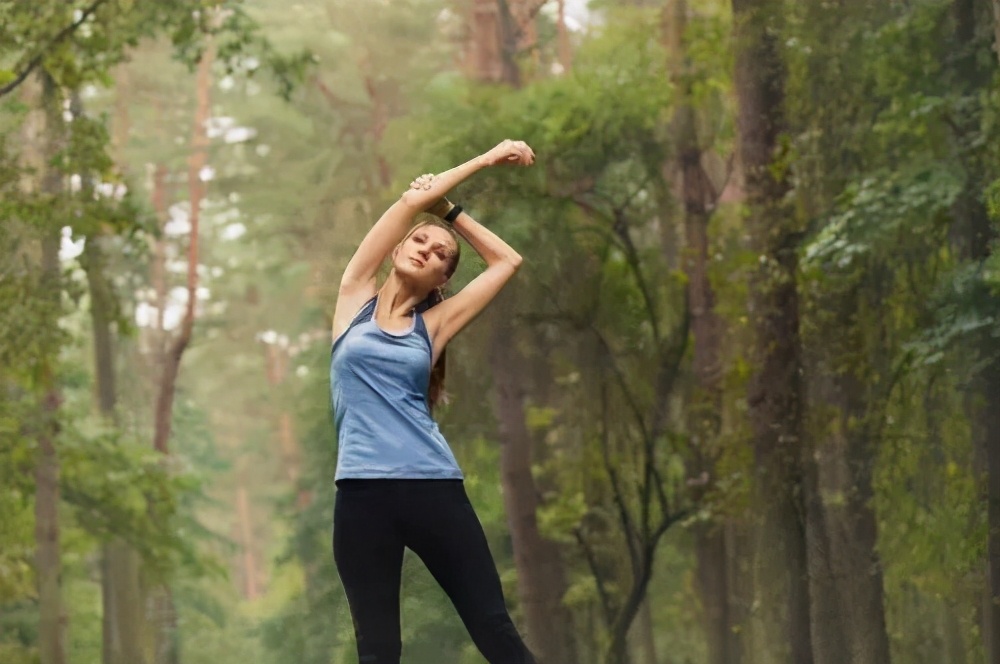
(892, 147)
(80, 42)
(124, 490)
(875, 215)
(895, 150)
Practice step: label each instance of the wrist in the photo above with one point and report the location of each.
(441, 208)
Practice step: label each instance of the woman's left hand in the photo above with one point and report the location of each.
(423, 182)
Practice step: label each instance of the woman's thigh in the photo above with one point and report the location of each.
(368, 551)
(443, 530)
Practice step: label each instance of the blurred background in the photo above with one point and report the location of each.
(740, 406)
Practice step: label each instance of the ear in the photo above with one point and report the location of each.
(444, 282)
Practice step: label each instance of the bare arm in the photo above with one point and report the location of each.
(357, 285)
(448, 318)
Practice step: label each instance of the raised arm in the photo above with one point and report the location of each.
(357, 285)
(448, 318)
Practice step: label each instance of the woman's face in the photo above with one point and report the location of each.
(426, 257)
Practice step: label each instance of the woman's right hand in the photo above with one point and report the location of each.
(510, 153)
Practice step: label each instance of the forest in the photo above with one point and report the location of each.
(740, 405)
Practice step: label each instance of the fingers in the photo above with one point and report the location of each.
(423, 182)
(516, 152)
(524, 155)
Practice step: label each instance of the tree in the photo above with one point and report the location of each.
(975, 235)
(699, 196)
(46, 132)
(775, 394)
(496, 27)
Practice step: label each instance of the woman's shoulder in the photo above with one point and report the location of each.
(363, 314)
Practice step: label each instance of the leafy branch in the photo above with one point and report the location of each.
(62, 36)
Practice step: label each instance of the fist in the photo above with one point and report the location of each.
(510, 153)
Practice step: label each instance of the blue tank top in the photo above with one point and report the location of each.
(378, 386)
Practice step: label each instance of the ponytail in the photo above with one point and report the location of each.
(435, 390)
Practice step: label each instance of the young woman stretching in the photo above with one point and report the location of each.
(398, 484)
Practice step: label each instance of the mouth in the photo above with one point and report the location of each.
(417, 262)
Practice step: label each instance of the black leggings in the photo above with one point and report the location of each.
(373, 521)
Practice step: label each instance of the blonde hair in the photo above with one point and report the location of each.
(435, 392)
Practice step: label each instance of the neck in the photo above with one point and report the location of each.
(397, 298)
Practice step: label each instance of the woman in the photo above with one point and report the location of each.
(398, 482)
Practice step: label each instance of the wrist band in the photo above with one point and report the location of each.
(441, 208)
(453, 214)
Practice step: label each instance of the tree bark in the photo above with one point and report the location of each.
(846, 583)
(712, 579)
(540, 573)
(829, 624)
(251, 590)
(564, 50)
(704, 421)
(43, 135)
(196, 162)
(122, 626)
(541, 577)
(974, 238)
(996, 28)
(276, 359)
(739, 578)
(988, 429)
(774, 397)
(121, 593)
(52, 618)
(162, 603)
(855, 537)
(496, 28)
(643, 635)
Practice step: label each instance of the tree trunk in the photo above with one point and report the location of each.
(541, 578)
(829, 624)
(196, 162)
(713, 589)
(643, 636)
(51, 622)
(495, 31)
(739, 578)
(991, 435)
(121, 593)
(974, 234)
(988, 428)
(845, 569)
(251, 591)
(124, 627)
(856, 540)
(42, 135)
(164, 610)
(774, 398)
(996, 28)
(563, 49)
(276, 359)
(618, 650)
(704, 421)
(48, 567)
